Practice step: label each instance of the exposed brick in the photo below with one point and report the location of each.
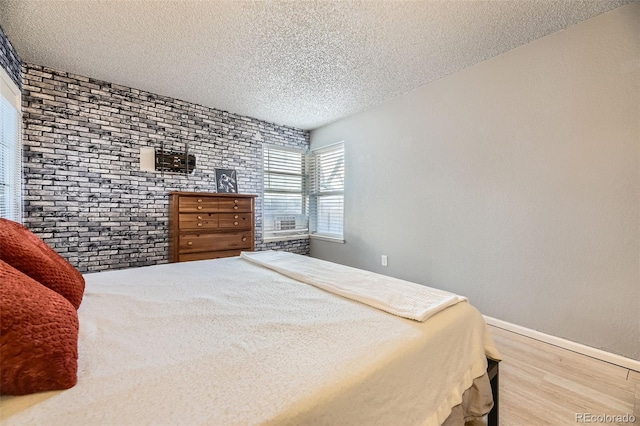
(9, 60)
(84, 192)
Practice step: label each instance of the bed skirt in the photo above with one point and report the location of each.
(477, 401)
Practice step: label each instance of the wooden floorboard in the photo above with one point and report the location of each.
(541, 384)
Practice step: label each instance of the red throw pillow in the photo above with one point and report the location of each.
(23, 250)
(38, 336)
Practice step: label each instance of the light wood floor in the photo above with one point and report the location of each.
(541, 384)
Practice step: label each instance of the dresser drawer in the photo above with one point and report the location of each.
(191, 243)
(198, 221)
(234, 205)
(207, 255)
(198, 204)
(236, 221)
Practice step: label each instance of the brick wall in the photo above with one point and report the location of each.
(84, 192)
(9, 59)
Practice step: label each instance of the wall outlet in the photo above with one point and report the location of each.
(384, 260)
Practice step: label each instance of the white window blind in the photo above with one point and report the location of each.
(10, 149)
(284, 202)
(326, 198)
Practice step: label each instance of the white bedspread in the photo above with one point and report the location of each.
(226, 342)
(398, 297)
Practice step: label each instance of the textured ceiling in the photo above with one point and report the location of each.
(302, 64)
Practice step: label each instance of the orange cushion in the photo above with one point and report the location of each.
(23, 250)
(38, 336)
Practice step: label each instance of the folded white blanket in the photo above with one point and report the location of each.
(398, 297)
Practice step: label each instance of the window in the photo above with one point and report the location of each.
(303, 194)
(10, 149)
(326, 198)
(285, 211)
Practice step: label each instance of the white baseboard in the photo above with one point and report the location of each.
(620, 360)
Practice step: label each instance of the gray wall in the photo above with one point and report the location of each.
(84, 192)
(514, 182)
(9, 59)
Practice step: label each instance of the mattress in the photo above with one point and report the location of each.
(228, 342)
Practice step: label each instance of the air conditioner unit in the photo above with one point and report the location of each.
(285, 223)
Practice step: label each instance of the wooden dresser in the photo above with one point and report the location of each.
(204, 225)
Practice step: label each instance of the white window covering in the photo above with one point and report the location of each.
(285, 211)
(326, 198)
(10, 149)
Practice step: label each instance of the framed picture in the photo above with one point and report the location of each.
(226, 181)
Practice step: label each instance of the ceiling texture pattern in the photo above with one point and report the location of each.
(302, 64)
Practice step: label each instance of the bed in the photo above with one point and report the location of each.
(235, 342)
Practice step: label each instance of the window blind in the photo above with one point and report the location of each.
(326, 198)
(284, 201)
(10, 150)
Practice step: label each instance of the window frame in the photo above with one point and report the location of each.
(12, 166)
(298, 233)
(314, 194)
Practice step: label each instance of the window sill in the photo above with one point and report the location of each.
(326, 238)
(285, 238)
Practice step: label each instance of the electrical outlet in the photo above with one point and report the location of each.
(384, 260)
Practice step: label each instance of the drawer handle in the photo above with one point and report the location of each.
(235, 223)
(199, 224)
(189, 243)
(199, 217)
(235, 201)
(235, 207)
(244, 238)
(235, 217)
(199, 200)
(199, 207)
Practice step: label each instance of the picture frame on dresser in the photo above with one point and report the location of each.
(226, 181)
(206, 225)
